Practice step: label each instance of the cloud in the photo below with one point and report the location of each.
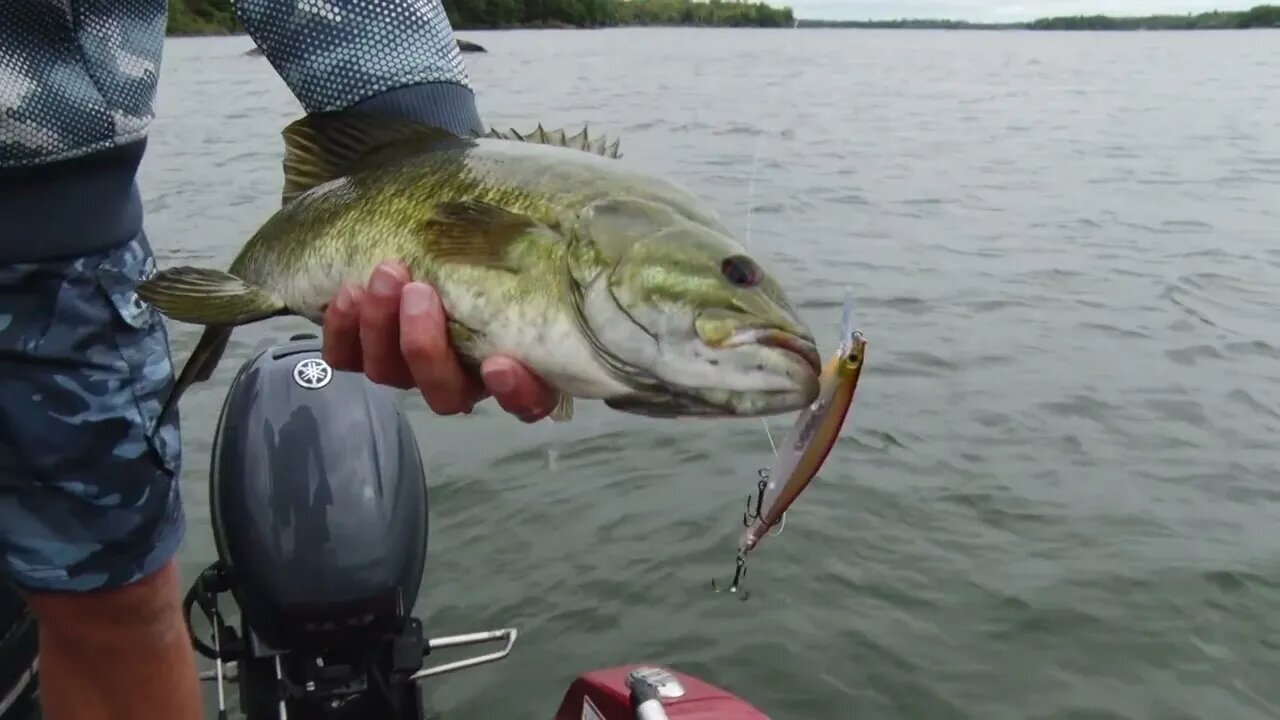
(999, 10)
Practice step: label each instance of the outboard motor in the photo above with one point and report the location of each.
(319, 509)
(319, 512)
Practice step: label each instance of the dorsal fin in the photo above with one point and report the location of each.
(324, 146)
(540, 136)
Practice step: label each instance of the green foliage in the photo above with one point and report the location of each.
(1259, 16)
(912, 24)
(474, 14)
(210, 17)
(202, 17)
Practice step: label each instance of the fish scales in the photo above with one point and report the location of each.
(608, 283)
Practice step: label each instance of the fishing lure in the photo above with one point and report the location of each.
(806, 446)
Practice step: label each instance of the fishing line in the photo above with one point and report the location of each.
(751, 200)
(769, 434)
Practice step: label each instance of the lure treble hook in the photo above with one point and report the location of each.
(782, 522)
(750, 515)
(739, 572)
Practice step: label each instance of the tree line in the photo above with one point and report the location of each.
(910, 24)
(195, 17)
(217, 16)
(478, 14)
(1260, 16)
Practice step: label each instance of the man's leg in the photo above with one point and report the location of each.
(90, 513)
(120, 653)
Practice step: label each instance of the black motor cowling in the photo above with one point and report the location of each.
(319, 503)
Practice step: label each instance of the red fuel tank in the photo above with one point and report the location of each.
(605, 695)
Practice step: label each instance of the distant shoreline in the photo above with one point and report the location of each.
(1260, 16)
(217, 17)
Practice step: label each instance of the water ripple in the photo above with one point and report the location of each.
(1055, 497)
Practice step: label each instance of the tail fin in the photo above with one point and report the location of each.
(205, 296)
(216, 299)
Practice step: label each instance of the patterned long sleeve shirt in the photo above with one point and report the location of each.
(78, 80)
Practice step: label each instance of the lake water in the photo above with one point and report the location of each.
(1057, 496)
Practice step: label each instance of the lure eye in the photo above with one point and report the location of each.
(740, 270)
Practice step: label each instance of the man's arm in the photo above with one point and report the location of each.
(399, 58)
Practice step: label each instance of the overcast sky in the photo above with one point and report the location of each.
(999, 10)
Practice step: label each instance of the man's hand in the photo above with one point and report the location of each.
(394, 331)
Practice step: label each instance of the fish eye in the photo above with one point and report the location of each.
(740, 270)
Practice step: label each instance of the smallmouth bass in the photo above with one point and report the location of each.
(608, 283)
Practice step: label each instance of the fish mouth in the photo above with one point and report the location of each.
(802, 347)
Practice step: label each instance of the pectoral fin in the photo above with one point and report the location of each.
(473, 232)
(563, 411)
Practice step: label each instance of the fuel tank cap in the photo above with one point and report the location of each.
(661, 679)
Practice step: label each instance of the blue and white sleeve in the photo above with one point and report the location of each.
(397, 57)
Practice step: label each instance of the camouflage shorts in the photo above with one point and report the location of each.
(89, 492)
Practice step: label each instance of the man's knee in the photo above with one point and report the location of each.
(146, 612)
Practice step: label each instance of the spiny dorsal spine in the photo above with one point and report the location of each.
(580, 141)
